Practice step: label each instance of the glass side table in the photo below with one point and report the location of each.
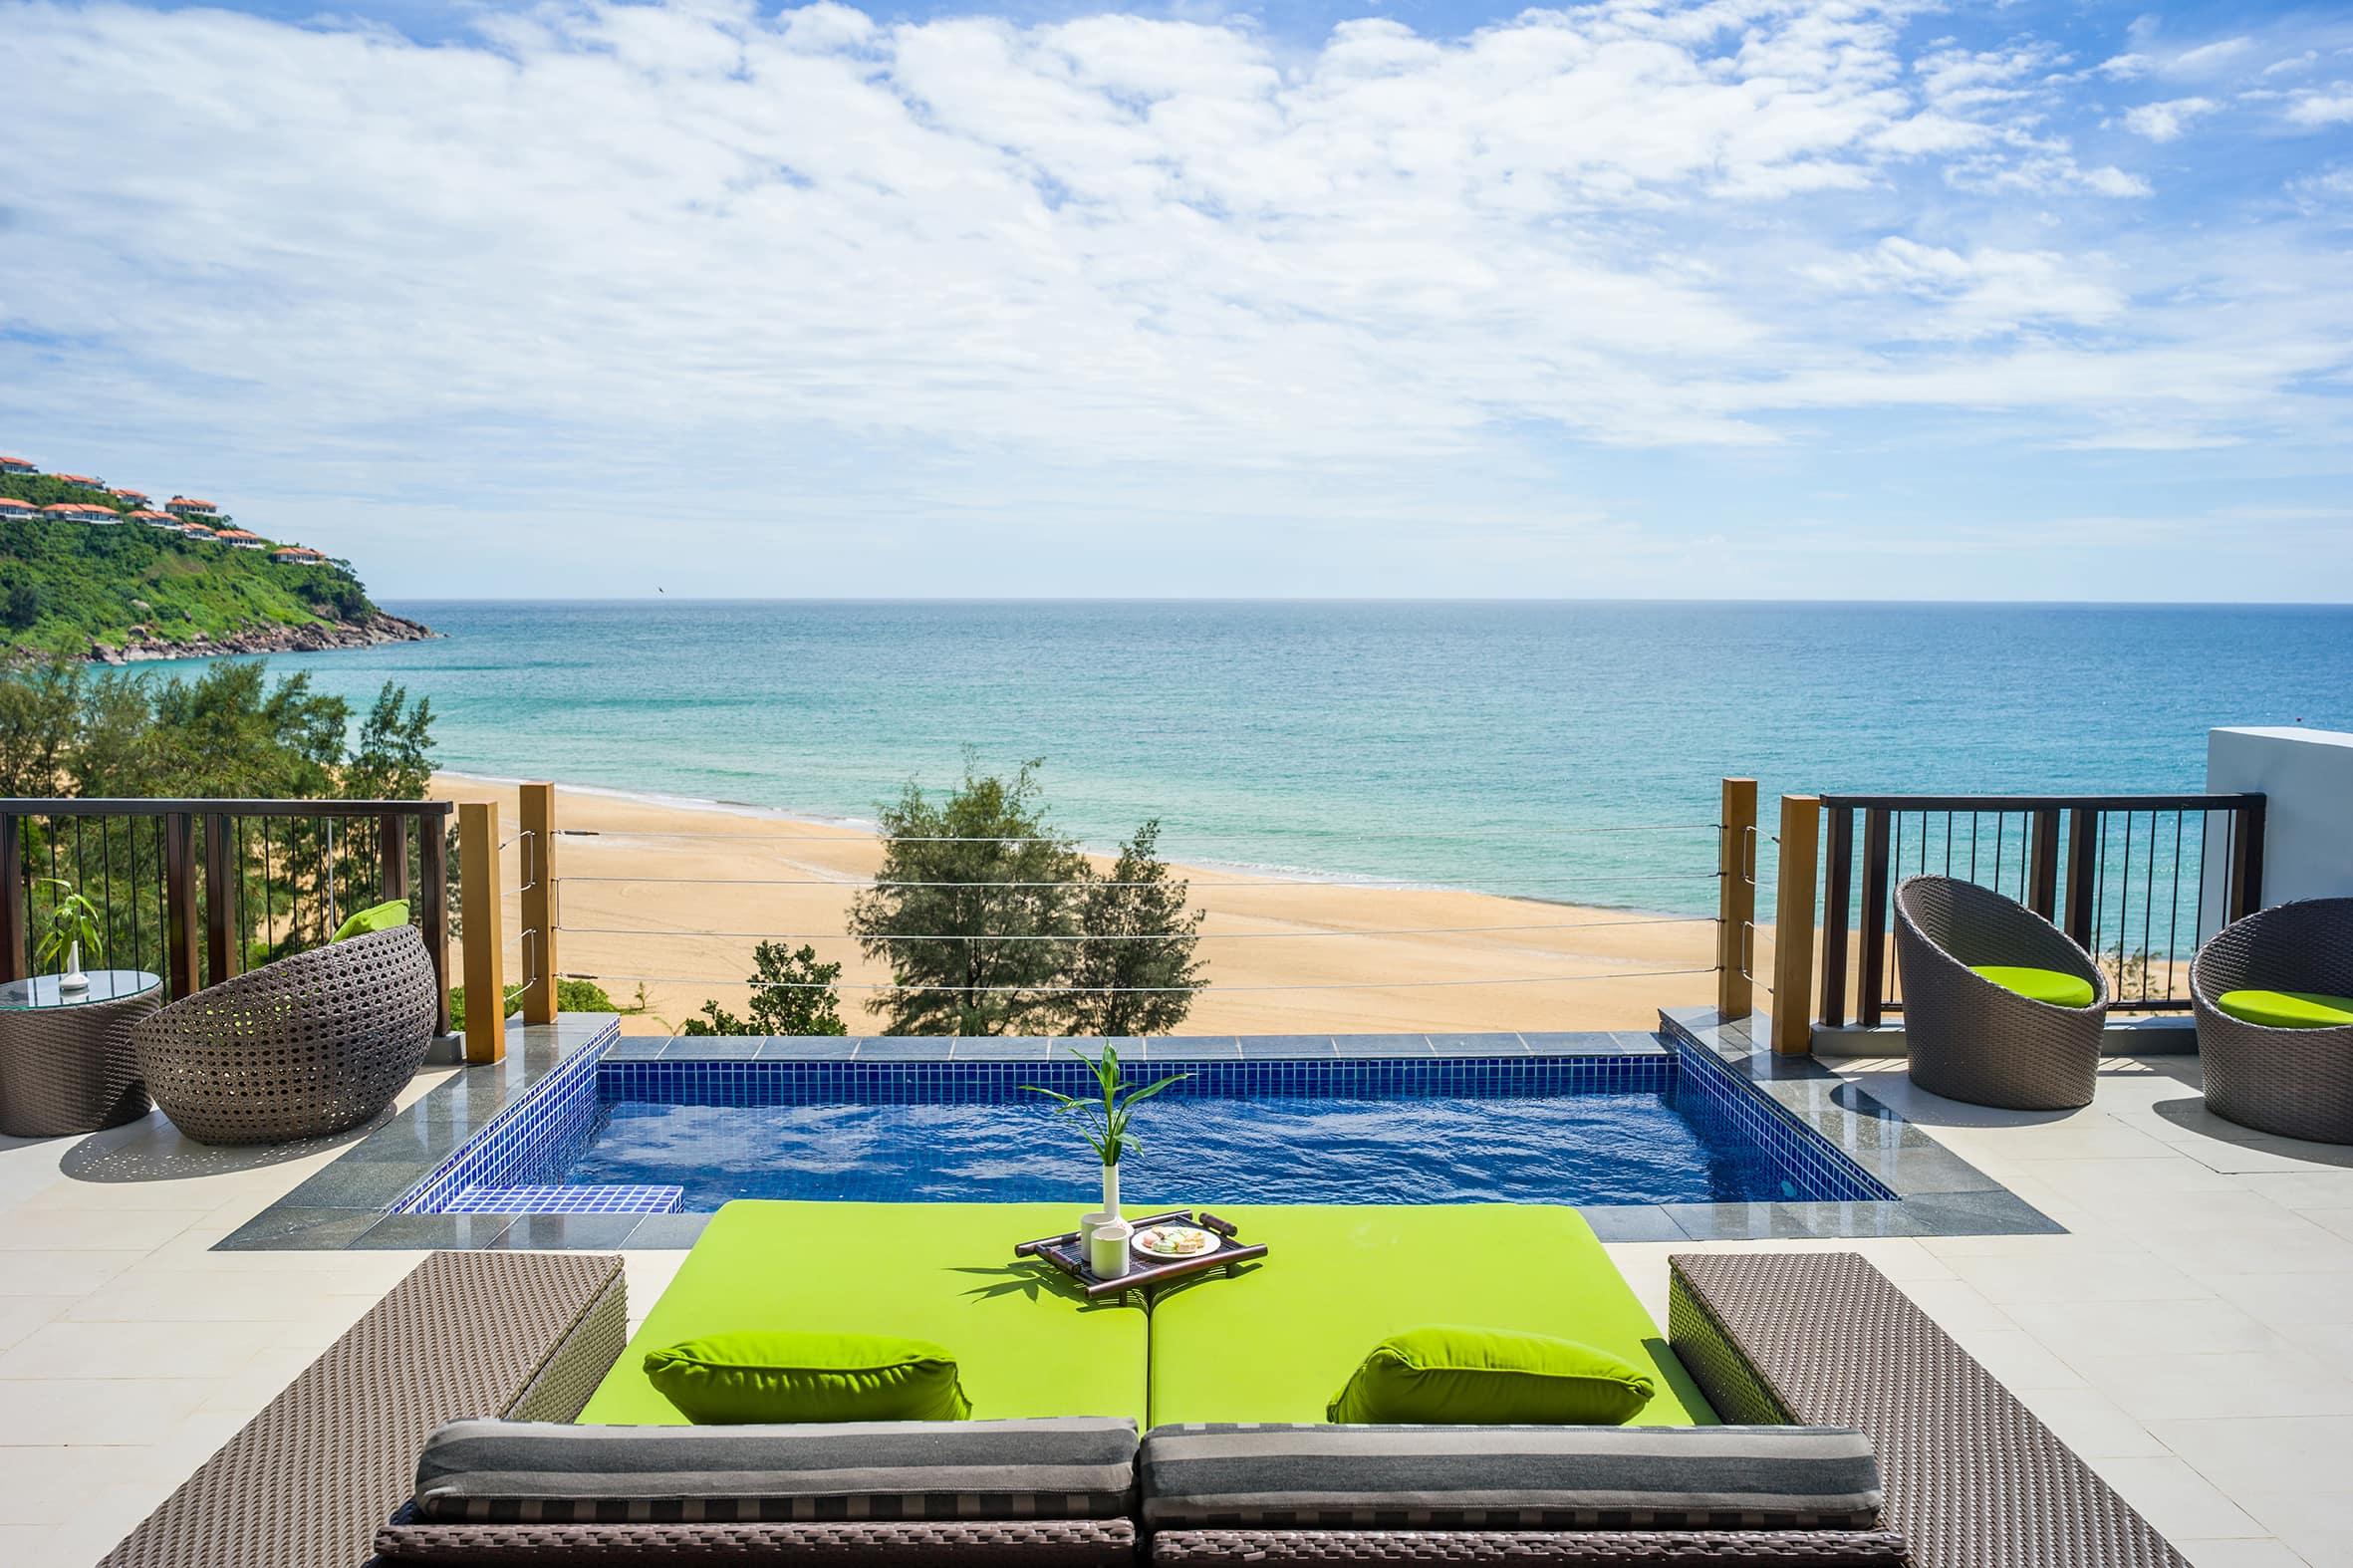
(65, 1063)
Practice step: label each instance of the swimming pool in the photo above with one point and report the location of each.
(1639, 1121)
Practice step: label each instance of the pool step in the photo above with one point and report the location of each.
(565, 1201)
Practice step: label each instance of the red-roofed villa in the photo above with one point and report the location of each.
(136, 497)
(91, 481)
(188, 506)
(11, 507)
(241, 539)
(153, 519)
(18, 465)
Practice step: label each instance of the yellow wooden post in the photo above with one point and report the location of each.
(484, 938)
(1735, 900)
(1794, 925)
(539, 901)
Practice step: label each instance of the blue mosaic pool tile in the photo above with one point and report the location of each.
(565, 1201)
(1811, 1169)
(530, 1141)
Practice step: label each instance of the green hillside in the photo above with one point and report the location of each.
(133, 590)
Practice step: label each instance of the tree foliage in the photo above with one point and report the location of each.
(1134, 970)
(982, 912)
(792, 993)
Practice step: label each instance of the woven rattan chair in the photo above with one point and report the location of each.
(1974, 1040)
(2297, 1083)
(300, 1048)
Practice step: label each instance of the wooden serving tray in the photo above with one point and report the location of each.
(1064, 1252)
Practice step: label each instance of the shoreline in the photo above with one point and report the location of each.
(675, 894)
(377, 631)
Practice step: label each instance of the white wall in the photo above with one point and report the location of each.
(2307, 775)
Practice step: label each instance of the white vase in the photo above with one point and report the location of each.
(1111, 1190)
(74, 980)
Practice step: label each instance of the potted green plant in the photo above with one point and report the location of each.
(1104, 1118)
(71, 926)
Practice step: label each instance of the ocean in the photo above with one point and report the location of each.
(1560, 750)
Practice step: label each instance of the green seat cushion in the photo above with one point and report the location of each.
(1452, 1375)
(375, 918)
(2288, 1009)
(780, 1376)
(1273, 1342)
(1026, 1342)
(2055, 986)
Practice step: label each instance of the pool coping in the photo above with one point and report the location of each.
(350, 1204)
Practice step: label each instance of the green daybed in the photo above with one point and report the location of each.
(1026, 1342)
(1275, 1342)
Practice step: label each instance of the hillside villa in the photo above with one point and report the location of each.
(18, 465)
(134, 497)
(90, 480)
(241, 539)
(20, 511)
(187, 506)
(298, 555)
(153, 519)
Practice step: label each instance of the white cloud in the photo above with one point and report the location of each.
(811, 254)
(2165, 121)
(2332, 107)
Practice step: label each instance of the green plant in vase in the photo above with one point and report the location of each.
(71, 926)
(1103, 1119)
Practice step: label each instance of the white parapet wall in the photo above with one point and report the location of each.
(2307, 777)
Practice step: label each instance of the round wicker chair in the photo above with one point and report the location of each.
(2297, 1083)
(1974, 1040)
(300, 1048)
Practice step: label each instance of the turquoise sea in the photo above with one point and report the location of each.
(1472, 744)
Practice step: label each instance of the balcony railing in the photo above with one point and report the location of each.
(198, 890)
(2139, 881)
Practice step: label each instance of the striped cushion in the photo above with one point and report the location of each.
(506, 1471)
(1510, 1477)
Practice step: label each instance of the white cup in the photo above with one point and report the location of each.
(1106, 1248)
(1088, 1224)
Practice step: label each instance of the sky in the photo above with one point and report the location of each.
(1743, 298)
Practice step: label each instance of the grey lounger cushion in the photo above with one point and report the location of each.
(1509, 1478)
(502, 1471)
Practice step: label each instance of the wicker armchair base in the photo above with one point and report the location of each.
(1650, 1548)
(2296, 1083)
(1110, 1543)
(1981, 1043)
(306, 1047)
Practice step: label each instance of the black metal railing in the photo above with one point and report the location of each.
(2140, 881)
(200, 890)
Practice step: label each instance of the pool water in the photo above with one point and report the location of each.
(1548, 1148)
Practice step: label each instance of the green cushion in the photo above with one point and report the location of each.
(788, 1377)
(375, 918)
(1448, 1376)
(2038, 985)
(2288, 1009)
(1027, 1343)
(1271, 1343)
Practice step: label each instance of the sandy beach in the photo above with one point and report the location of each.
(1290, 958)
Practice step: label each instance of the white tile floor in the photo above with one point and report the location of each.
(2191, 1336)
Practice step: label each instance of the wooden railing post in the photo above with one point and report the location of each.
(221, 931)
(2083, 863)
(2246, 858)
(484, 932)
(1838, 874)
(2042, 887)
(180, 901)
(432, 908)
(1735, 900)
(391, 856)
(1871, 979)
(1794, 925)
(15, 962)
(539, 901)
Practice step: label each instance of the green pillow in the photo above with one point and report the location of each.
(1467, 1377)
(2288, 1009)
(728, 1379)
(377, 918)
(2038, 985)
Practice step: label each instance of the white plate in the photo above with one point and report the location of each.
(1166, 1233)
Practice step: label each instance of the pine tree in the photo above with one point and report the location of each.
(1141, 977)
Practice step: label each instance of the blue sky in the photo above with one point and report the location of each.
(1756, 298)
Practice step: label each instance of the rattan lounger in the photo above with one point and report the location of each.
(307, 1483)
